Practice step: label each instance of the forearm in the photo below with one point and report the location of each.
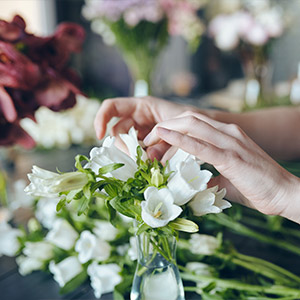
(276, 130)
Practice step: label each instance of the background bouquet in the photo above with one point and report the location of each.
(140, 29)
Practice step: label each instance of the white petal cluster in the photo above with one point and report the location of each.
(62, 234)
(109, 153)
(104, 277)
(203, 244)
(46, 211)
(45, 183)
(105, 230)
(62, 129)
(65, 270)
(209, 201)
(159, 209)
(9, 244)
(89, 246)
(35, 256)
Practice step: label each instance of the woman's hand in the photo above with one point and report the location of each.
(142, 113)
(250, 176)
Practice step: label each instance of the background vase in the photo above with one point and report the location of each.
(258, 72)
(157, 275)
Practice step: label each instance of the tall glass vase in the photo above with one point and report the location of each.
(258, 75)
(157, 275)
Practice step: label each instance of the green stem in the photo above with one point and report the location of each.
(262, 267)
(237, 285)
(158, 249)
(269, 265)
(234, 226)
(260, 224)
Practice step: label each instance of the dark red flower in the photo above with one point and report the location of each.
(34, 73)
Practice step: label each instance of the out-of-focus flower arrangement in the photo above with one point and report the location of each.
(250, 28)
(34, 73)
(66, 128)
(87, 247)
(140, 28)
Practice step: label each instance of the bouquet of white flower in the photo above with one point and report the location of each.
(159, 198)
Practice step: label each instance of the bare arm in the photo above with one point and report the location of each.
(276, 130)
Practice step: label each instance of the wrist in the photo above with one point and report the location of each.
(291, 201)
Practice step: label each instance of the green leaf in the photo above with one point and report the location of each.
(112, 215)
(71, 195)
(184, 225)
(74, 283)
(60, 204)
(83, 205)
(111, 190)
(109, 168)
(142, 228)
(87, 191)
(118, 206)
(139, 154)
(78, 159)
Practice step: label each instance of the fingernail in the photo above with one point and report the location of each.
(162, 130)
(147, 139)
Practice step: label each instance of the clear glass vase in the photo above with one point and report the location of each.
(157, 276)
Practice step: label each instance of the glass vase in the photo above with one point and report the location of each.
(157, 275)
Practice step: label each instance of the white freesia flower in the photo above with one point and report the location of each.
(131, 141)
(179, 157)
(65, 270)
(18, 198)
(104, 277)
(90, 246)
(46, 211)
(199, 268)
(62, 234)
(203, 244)
(105, 230)
(39, 250)
(28, 264)
(9, 244)
(209, 201)
(122, 249)
(159, 209)
(188, 181)
(108, 154)
(37, 253)
(49, 184)
(155, 283)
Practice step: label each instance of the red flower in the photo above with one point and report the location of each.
(34, 73)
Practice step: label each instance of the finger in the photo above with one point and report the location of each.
(201, 149)
(122, 126)
(158, 150)
(229, 129)
(192, 126)
(169, 154)
(118, 107)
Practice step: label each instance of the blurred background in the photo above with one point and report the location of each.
(59, 59)
(181, 72)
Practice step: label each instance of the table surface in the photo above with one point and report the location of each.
(41, 286)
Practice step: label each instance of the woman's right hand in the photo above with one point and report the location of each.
(142, 113)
